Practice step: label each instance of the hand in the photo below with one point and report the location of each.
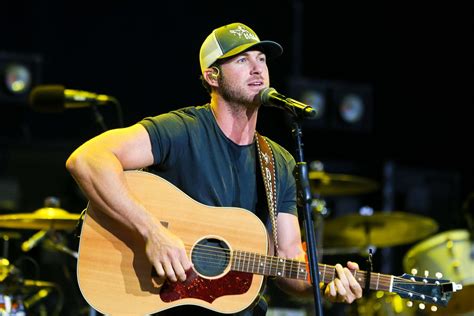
(344, 288)
(167, 254)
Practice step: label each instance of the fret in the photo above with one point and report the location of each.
(247, 260)
(290, 271)
(260, 265)
(378, 279)
(281, 271)
(236, 260)
(272, 273)
(252, 262)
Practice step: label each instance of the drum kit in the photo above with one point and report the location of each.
(450, 253)
(18, 296)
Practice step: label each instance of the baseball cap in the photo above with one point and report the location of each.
(232, 39)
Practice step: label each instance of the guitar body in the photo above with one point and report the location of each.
(116, 278)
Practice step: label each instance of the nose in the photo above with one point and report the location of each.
(257, 67)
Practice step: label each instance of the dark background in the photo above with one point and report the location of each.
(417, 59)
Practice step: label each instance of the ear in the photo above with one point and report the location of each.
(211, 75)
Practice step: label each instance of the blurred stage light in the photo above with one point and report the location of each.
(340, 105)
(352, 108)
(354, 102)
(317, 100)
(313, 93)
(17, 78)
(18, 74)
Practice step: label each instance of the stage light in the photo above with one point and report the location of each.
(341, 105)
(17, 78)
(314, 93)
(316, 100)
(351, 108)
(18, 74)
(354, 102)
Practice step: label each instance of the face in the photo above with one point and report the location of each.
(242, 77)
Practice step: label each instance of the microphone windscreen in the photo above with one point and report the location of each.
(47, 98)
(265, 95)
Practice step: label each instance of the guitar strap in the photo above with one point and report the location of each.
(267, 166)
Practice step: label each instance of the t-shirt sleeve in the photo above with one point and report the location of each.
(168, 135)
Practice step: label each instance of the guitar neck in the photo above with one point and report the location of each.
(293, 269)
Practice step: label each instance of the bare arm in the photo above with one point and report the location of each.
(344, 288)
(98, 165)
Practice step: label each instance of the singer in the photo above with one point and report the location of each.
(210, 153)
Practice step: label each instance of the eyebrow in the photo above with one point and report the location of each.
(247, 53)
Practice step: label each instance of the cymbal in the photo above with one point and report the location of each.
(379, 230)
(43, 218)
(330, 184)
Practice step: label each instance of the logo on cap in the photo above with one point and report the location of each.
(240, 31)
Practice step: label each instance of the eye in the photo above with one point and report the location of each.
(241, 60)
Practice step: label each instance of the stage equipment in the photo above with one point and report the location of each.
(378, 230)
(332, 184)
(450, 253)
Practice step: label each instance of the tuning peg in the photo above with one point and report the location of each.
(439, 275)
(421, 306)
(434, 308)
(410, 304)
(427, 273)
(414, 271)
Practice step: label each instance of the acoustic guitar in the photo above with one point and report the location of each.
(228, 247)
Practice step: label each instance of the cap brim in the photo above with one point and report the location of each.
(270, 48)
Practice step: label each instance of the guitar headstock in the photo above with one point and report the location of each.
(429, 290)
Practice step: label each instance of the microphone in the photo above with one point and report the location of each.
(54, 98)
(33, 240)
(270, 97)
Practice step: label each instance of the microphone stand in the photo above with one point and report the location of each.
(99, 119)
(304, 198)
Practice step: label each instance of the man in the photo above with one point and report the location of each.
(209, 152)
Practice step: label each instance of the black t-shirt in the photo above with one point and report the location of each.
(191, 151)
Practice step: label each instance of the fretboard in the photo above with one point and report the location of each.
(293, 269)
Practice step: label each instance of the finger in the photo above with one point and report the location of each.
(354, 286)
(340, 288)
(185, 262)
(331, 289)
(169, 271)
(159, 270)
(341, 274)
(178, 269)
(352, 265)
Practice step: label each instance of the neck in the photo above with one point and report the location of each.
(236, 121)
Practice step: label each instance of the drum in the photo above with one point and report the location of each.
(452, 254)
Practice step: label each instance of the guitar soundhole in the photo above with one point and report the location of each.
(210, 257)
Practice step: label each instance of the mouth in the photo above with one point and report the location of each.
(256, 83)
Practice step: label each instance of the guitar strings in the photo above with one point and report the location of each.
(245, 259)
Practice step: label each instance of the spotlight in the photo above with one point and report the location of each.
(341, 105)
(351, 108)
(317, 100)
(313, 93)
(18, 74)
(354, 104)
(17, 78)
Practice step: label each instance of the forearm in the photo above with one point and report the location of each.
(293, 287)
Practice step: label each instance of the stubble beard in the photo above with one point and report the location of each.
(235, 97)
